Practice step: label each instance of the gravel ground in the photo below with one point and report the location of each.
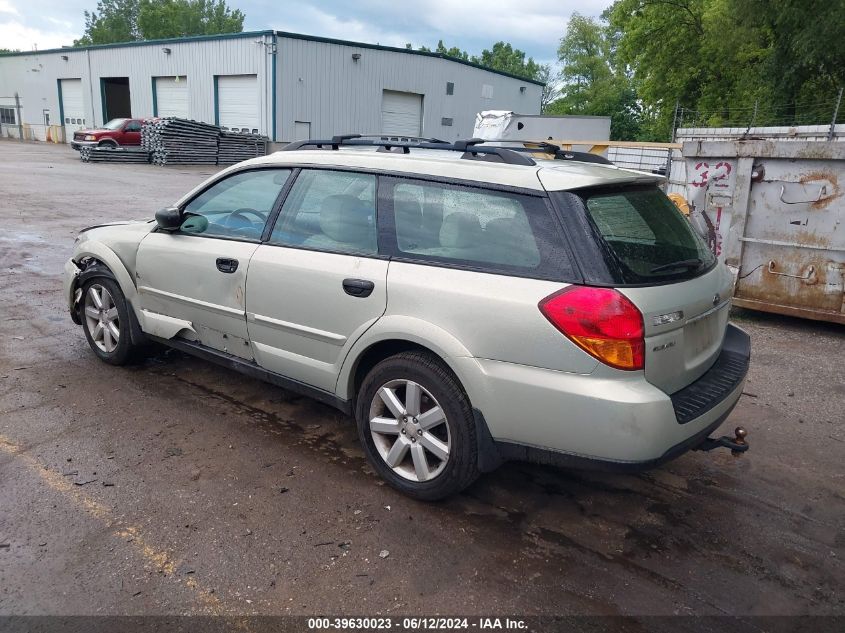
(177, 487)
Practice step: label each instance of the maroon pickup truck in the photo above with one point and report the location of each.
(115, 133)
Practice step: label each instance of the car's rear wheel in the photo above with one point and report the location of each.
(105, 320)
(416, 425)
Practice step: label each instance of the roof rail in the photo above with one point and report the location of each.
(544, 147)
(472, 148)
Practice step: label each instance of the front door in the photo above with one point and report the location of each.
(319, 282)
(131, 133)
(195, 277)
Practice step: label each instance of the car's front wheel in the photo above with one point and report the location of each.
(105, 319)
(416, 425)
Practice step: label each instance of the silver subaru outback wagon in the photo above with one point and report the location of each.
(467, 303)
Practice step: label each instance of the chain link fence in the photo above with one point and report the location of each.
(825, 113)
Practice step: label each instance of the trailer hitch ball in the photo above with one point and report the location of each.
(737, 444)
(739, 434)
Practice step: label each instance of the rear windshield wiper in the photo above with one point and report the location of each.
(683, 263)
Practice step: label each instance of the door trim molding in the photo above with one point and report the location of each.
(213, 307)
(302, 330)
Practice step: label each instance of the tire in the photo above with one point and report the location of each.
(389, 435)
(101, 339)
(107, 144)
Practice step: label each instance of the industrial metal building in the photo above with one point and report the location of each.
(285, 85)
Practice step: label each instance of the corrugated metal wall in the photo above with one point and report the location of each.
(317, 82)
(320, 83)
(34, 76)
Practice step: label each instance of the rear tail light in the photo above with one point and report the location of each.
(601, 321)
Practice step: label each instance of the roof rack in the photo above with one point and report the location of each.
(544, 147)
(472, 148)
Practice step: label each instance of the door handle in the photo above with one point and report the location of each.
(358, 287)
(226, 265)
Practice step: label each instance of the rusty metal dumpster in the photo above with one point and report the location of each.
(774, 211)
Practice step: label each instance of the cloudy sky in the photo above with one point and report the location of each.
(532, 25)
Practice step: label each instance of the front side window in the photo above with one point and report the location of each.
(133, 126)
(649, 239)
(484, 229)
(331, 211)
(236, 207)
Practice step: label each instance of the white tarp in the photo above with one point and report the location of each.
(491, 124)
(504, 125)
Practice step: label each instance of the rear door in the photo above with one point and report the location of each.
(650, 253)
(319, 282)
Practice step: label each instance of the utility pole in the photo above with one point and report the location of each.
(18, 115)
(830, 133)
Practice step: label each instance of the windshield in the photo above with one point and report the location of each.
(115, 124)
(647, 237)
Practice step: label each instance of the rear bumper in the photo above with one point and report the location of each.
(729, 370)
(620, 423)
(507, 451)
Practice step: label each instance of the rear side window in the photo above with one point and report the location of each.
(489, 230)
(646, 235)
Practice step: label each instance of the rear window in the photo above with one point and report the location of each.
(647, 236)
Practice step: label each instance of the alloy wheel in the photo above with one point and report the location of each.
(409, 430)
(102, 318)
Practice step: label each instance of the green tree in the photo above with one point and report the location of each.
(113, 21)
(551, 88)
(178, 18)
(508, 59)
(594, 82)
(129, 20)
(501, 56)
(732, 62)
(441, 49)
(803, 51)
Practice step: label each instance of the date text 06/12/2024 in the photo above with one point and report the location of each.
(417, 624)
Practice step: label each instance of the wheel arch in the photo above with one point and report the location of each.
(376, 346)
(392, 335)
(97, 260)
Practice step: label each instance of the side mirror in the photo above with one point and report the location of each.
(169, 218)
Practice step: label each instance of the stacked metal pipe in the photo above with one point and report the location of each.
(180, 141)
(233, 147)
(114, 155)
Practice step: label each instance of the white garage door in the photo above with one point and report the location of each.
(172, 96)
(73, 108)
(401, 113)
(237, 101)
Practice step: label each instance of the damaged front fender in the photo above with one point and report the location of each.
(77, 274)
